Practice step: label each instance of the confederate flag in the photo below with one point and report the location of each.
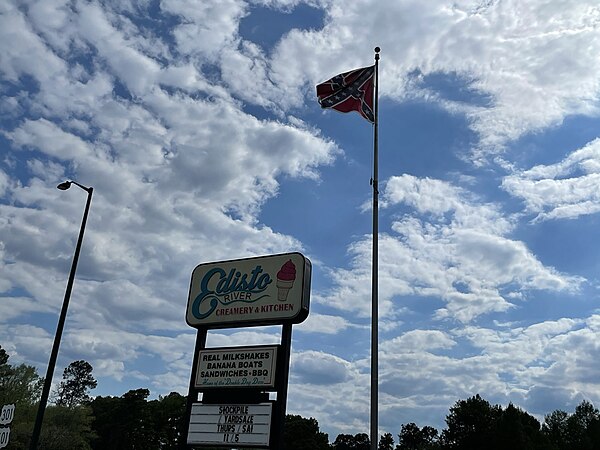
(349, 91)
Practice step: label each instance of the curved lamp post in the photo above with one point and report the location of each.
(61, 321)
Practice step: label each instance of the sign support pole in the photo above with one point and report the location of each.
(192, 396)
(286, 344)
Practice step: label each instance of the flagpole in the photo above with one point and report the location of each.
(375, 270)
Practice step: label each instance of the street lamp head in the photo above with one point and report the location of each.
(67, 184)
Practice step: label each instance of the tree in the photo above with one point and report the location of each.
(167, 419)
(3, 358)
(583, 427)
(578, 431)
(343, 442)
(518, 430)
(20, 384)
(67, 428)
(386, 442)
(412, 437)
(124, 423)
(362, 441)
(585, 414)
(300, 433)
(77, 381)
(555, 429)
(409, 437)
(359, 441)
(430, 437)
(470, 424)
(106, 425)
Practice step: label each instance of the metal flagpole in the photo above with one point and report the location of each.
(374, 274)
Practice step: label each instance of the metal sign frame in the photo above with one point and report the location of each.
(244, 394)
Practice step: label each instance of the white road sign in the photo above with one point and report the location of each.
(239, 425)
(6, 417)
(7, 414)
(4, 436)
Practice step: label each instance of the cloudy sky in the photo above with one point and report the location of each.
(197, 125)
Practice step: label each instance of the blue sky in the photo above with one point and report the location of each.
(197, 125)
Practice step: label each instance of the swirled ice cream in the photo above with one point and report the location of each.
(285, 280)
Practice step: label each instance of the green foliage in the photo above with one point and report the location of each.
(167, 419)
(63, 428)
(359, 441)
(124, 422)
(555, 429)
(3, 359)
(578, 431)
(412, 437)
(470, 424)
(518, 430)
(303, 434)
(67, 428)
(132, 422)
(20, 384)
(22, 426)
(582, 427)
(77, 381)
(474, 423)
(386, 442)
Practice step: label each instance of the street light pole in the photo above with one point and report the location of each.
(61, 321)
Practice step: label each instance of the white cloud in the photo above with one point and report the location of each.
(417, 341)
(512, 365)
(208, 27)
(319, 368)
(51, 19)
(48, 137)
(459, 251)
(4, 183)
(564, 190)
(533, 62)
(241, 337)
(323, 323)
(24, 52)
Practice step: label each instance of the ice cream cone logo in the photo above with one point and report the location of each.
(285, 280)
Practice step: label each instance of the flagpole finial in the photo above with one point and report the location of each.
(377, 49)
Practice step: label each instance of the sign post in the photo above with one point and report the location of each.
(235, 382)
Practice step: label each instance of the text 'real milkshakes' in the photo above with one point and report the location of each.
(285, 280)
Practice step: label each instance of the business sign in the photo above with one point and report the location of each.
(237, 367)
(6, 417)
(230, 425)
(246, 292)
